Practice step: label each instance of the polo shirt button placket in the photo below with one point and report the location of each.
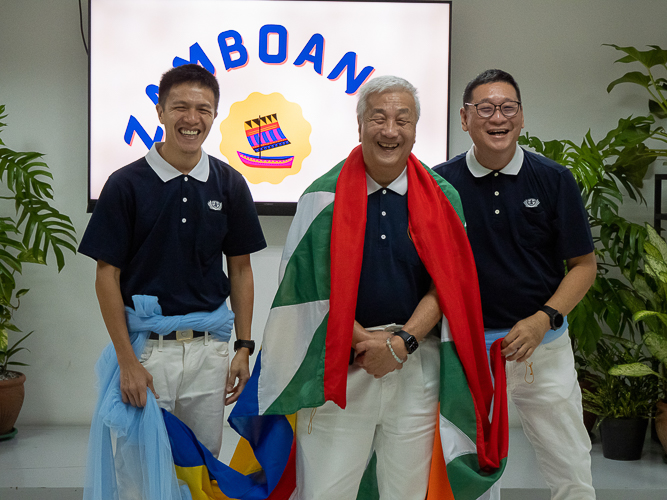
(184, 207)
(496, 193)
(383, 220)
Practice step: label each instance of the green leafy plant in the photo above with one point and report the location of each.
(653, 60)
(7, 352)
(622, 383)
(628, 376)
(649, 307)
(29, 236)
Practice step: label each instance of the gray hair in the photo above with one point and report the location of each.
(383, 84)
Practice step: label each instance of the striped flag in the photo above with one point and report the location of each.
(305, 352)
(209, 479)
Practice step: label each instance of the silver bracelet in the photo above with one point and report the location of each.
(391, 349)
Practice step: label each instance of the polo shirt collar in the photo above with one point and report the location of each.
(477, 170)
(398, 185)
(166, 172)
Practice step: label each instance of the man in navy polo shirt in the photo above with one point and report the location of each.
(524, 218)
(159, 229)
(392, 387)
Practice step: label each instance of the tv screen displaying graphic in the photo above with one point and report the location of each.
(289, 72)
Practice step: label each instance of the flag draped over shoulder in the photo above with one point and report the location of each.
(307, 339)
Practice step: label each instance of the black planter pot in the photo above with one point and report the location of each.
(623, 438)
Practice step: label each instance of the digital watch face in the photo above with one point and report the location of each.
(289, 73)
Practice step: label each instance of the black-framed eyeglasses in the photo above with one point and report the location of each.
(487, 110)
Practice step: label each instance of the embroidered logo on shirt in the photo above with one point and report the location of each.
(531, 202)
(215, 205)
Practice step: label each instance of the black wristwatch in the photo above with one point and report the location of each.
(555, 318)
(411, 343)
(250, 344)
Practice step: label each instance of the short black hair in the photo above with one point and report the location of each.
(490, 76)
(187, 73)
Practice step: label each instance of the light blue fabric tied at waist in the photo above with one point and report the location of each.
(142, 442)
(491, 334)
(147, 317)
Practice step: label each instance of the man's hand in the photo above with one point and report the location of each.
(373, 355)
(134, 379)
(239, 374)
(524, 337)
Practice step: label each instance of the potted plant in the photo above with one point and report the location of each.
(12, 391)
(36, 229)
(650, 308)
(623, 395)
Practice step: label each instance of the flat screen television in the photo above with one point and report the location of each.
(289, 72)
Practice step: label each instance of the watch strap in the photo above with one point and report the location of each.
(249, 344)
(553, 314)
(411, 343)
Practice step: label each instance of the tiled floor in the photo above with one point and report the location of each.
(49, 462)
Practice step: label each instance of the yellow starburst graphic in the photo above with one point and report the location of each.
(265, 138)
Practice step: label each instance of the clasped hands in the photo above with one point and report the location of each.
(374, 356)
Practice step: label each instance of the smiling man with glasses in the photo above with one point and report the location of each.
(524, 217)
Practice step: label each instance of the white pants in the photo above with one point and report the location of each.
(191, 380)
(548, 399)
(395, 416)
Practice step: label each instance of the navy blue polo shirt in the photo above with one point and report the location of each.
(167, 231)
(523, 222)
(393, 279)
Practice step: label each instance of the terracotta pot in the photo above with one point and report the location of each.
(661, 423)
(11, 400)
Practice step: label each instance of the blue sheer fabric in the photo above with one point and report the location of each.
(142, 458)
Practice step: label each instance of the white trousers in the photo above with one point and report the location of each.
(395, 416)
(191, 380)
(548, 399)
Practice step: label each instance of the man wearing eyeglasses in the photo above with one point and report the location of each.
(525, 216)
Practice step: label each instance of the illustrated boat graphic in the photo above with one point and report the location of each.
(263, 133)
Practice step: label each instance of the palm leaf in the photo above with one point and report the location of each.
(36, 230)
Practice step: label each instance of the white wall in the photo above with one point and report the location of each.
(552, 48)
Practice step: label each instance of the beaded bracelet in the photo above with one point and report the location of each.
(391, 349)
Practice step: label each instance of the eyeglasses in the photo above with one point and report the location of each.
(487, 110)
